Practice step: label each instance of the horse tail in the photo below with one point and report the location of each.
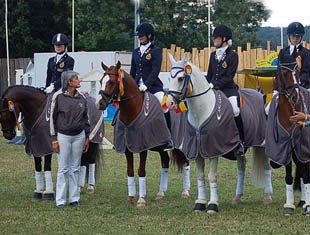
(260, 164)
(298, 175)
(178, 158)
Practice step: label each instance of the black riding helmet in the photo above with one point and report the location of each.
(145, 29)
(60, 39)
(222, 31)
(296, 29)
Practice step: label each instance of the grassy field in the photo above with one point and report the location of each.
(106, 212)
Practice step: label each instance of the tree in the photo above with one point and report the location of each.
(244, 17)
(104, 25)
(180, 22)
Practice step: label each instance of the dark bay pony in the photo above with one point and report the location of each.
(31, 102)
(285, 141)
(130, 102)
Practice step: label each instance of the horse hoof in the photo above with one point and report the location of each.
(200, 206)
(130, 200)
(141, 203)
(90, 189)
(185, 194)
(212, 208)
(159, 196)
(48, 196)
(301, 203)
(236, 200)
(288, 210)
(37, 195)
(267, 200)
(306, 210)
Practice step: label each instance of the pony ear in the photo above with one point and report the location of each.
(118, 65)
(104, 66)
(172, 60)
(185, 58)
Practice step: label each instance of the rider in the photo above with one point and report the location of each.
(145, 67)
(295, 32)
(58, 63)
(222, 69)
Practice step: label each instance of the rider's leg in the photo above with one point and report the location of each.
(159, 95)
(235, 103)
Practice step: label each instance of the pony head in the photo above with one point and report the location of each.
(7, 118)
(113, 88)
(288, 77)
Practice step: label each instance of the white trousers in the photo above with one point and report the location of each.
(69, 160)
(234, 104)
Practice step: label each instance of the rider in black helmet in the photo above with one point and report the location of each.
(145, 66)
(58, 63)
(221, 72)
(295, 32)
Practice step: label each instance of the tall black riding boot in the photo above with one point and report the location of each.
(240, 149)
(169, 145)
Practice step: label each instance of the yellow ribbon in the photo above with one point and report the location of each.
(120, 84)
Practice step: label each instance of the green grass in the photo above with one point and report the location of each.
(106, 212)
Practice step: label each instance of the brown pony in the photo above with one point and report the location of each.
(122, 88)
(30, 102)
(290, 101)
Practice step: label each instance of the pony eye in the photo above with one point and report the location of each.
(180, 79)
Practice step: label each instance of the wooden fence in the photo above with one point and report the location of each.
(247, 58)
(20, 63)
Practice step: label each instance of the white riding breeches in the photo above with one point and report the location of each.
(234, 104)
(160, 95)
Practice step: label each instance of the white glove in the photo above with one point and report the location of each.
(142, 87)
(211, 85)
(49, 89)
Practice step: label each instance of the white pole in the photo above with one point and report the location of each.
(72, 25)
(281, 36)
(137, 21)
(209, 28)
(7, 42)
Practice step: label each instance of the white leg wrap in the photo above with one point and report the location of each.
(302, 187)
(268, 184)
(82, 175)
(49, 187)
(142, 187)
(201, 189)
(289, 194)
(91, 174)
(39, 181)
(164, 173)
(213, 192)
(240, 183)
(307, 194)
(131, 186)
(186, 178)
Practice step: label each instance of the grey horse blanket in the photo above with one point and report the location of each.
(38, 140)
(280, 144)
(253, 117)
(217, 136)
(147, 131)
(178, 123)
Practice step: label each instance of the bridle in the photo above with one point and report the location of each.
(11, 109)
(180, 96)
(290, 91)
(118, 96)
